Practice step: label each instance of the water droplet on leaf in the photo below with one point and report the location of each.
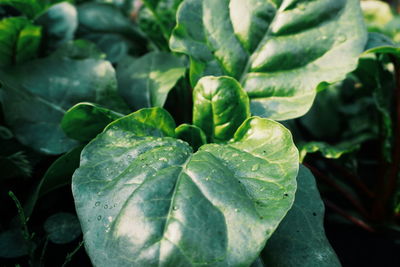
(175, 208)
(97, 203)
(255, 167)
(99, 217)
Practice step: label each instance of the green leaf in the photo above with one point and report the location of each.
(84, 121)
(327, 150)
(152, 202)
(15, 165)
(37, 94)
(300, 239)
(377, 14)
(59, 25)
(191, 134)
(379, 43)
(79, 49)
(111, 30)
(13, 244)
(146, 81)
(281, 52)
(62, 228)
(19, 40)
(30, 8)
(57, 175)
(220, 107)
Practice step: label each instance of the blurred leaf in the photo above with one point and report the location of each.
(300, 238)
(111, 30)
(37, 94)
(146, 81)
(19, 40)
(15, 165)
(59, 24)
(62, 228)
(13, 244)
(79, 49)
(377, 14)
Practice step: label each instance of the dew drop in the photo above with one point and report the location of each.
(236, 210)
(97, 203)
(235, 155)
(208, 178)
(163, 159)
(110, 218)
(262, 189)
(324, 37)
(106, 206)
(99, 217)
(255, 167)
(175, 208)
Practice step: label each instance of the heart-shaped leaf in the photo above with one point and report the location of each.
(145, 199)
(280, 51)
(220, 107)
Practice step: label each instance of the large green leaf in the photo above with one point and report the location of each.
(300, 239)
(145, 82)
(37, 94)
(280, 51)
(144, 199)
(30, 8)
(220, 107)
(19, 40)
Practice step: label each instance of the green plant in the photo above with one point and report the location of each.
(169, 129)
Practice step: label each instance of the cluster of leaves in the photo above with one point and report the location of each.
(102, 85)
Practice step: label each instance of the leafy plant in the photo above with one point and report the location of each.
(162, 118)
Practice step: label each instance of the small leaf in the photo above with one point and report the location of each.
(327, 150)
(281, 52)
(220, 107)
(13, 244)
(379, 43)
(152, 202)
(62, 228)
(146, 81)
(300, 238)
(19, 40)
(84, 121)
(191, 134)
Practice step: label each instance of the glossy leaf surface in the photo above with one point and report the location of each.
(37, 94)
(84, 121)
(300, 239)
(220, 107)
(19, 40)
(62, 228)
(146, 81)
(152, 202)
(280, 51)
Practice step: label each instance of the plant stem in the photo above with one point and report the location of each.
(353, 178)
(339, 189)
(69, 256)
(349, 217)
(388, 181)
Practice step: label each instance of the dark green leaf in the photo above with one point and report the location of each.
(110, 29)
(13, 244)
(37, 94)
(192, 135)
(146, 81)
(151, 202)
(379, 43)
(280, 51)
(59, 25)
(62, 228)
(300, 239)
(57, 175)
(15, 165)
(220, 107)
(84, 121)
(19, 40)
